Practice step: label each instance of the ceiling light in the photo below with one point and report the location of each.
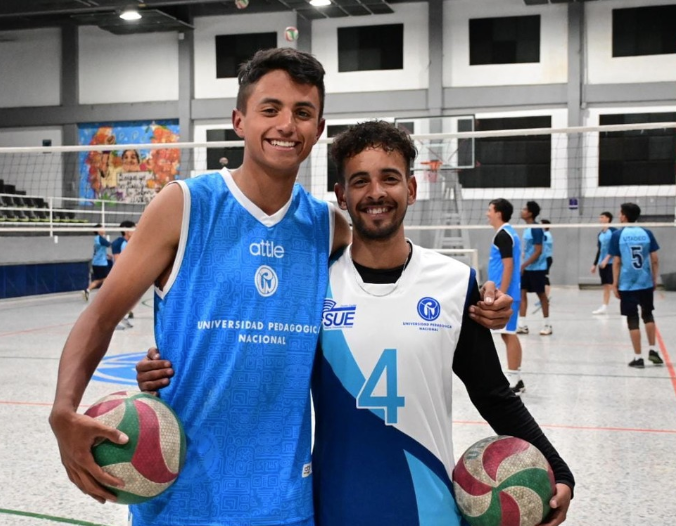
(130, 13)
(320, 3)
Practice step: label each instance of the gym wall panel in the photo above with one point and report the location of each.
(127, 68)
(48, 278)
(30, 68)
(553, 65)
(207, 86)
(415, 74)
(602, 68)
(23, 174)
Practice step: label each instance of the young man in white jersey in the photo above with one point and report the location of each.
(603, 260)
(504, 268)
(247, 246)
(635, 271)
(533, 270)
(397, 311)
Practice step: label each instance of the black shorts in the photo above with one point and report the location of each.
(100, 272)
(631, 299)
(534, 280)
(606, 274)
(550, 260)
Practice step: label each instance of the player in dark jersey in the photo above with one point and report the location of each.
(635, 271)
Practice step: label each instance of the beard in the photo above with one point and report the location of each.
(377, 233)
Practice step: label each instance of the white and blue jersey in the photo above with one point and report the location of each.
(501, 249)
(239, 319)
(382, 389)
(634, 245)
(548, 245)
(603, 244)
(531, 238)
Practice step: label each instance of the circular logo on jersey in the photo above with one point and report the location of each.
(266, 281)
(429, 309)
(119, 368)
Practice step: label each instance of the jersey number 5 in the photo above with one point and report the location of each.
(388, 405)
(637, 256)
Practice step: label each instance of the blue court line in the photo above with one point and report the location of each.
(40, 516)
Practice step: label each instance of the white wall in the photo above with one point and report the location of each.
(590, 170)
(30, 68)
(129, 68)
(39, 174)
(207, 86)
(602, 68)
(415, 74)
(553, 65)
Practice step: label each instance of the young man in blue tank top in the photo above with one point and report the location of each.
(240, 265)
(635, 271)
(603, 260)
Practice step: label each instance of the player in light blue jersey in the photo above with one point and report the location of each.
(396, 326)
(240, 264)
(533, 270)
(504, 268)
(603, 260)
(100, 267)
(548, 253)
(635, 271)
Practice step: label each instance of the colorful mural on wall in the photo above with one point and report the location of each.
(128, 175)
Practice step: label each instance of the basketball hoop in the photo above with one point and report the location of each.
(432, 172)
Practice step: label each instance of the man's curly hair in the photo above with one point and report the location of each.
(371, 134)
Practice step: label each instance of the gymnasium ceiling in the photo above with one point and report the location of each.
(176, 15)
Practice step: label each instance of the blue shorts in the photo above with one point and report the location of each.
(510, 328)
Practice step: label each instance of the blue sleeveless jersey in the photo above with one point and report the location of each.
(548, 245)
(532, 237)
(239, 319)
(604, 244)
(496, 266)
(634, 245)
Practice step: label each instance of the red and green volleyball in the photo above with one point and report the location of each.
(503, 481)
(153, 457)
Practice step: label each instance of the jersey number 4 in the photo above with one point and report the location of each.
(384, 406)
(637, 256)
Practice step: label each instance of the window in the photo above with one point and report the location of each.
(368, 48)
(641, 157)
(509, 40)
(233, 50)
(332, 170)
(644, 31)
(511, 162)
(234, 155)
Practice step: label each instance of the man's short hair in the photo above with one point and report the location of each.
(127, 224)
(533, 208)
(504, 207)
(302, 67)
(608, 215)
(371, 134)
(631, 211)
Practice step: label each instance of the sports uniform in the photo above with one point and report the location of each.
(239, 319)
(603, 245)
(506, 244)
(382, 386)
(100, 266)
(533, 278)
(548, 252)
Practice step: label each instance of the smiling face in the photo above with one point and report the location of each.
(130, 161)
(376, 193)
(494, 217)
(281, 123)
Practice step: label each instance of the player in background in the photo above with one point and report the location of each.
(635, 271)
(504, 268)
(533, 270)
(117, 246)
(100, 267)
(603, 260)
(396, 311)
(548, 251)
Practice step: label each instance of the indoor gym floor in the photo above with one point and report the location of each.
(615, 426)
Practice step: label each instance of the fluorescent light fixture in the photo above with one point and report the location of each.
(130, 13)
(320, 3)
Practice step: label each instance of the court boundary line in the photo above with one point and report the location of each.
(53, 518)
(581, 428)
(667, 358)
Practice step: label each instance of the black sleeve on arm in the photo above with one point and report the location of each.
(476, 363)
(598, 251)
(505, 244)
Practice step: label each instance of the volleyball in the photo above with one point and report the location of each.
(241, 4)
(503, 481)
(291, 34)
(152, 458)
